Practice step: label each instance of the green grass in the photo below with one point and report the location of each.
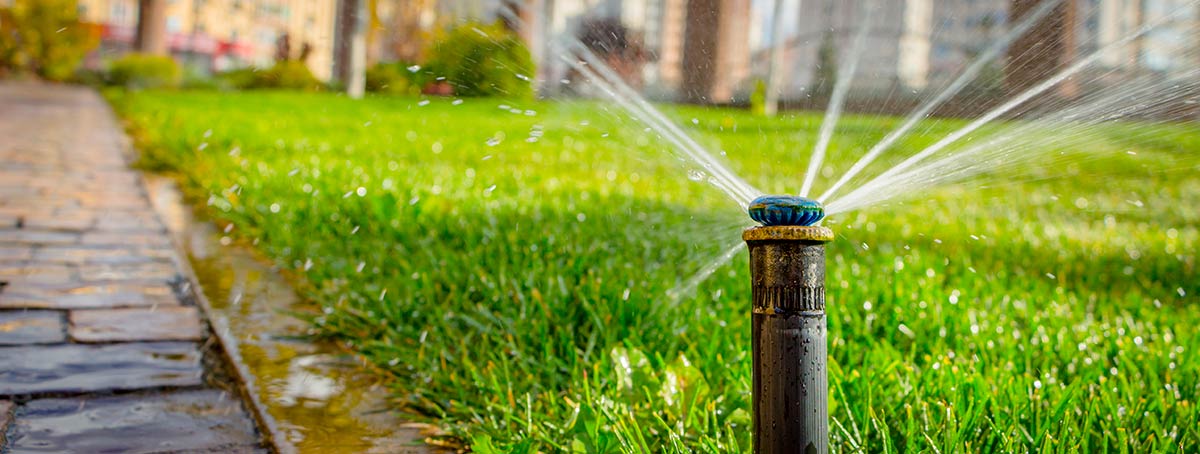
(517, 292)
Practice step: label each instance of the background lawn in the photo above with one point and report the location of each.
(512, 271)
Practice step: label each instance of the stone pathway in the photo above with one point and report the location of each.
(100, 350)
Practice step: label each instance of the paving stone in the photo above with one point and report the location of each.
(78, 233)
(133, 272)
(44, 203)
(31, 327)
(74, 368)
(196, 421)
(116, 202)
(129, 222)
(86, 296)
(137, 324)
(15, 253)
(17, 274)
(58, 222)
(26, 236)
(101, 255)
(125, 239)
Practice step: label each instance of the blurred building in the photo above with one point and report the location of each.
(703, 50)
(217, 35)
(1170, 47)
(909, 44)
(716, 50)
(401, 30)
(698, 49)
(1128, 38)
(917, 44)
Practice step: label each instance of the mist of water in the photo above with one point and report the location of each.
(583, 60)
(688, 286)
(873, 191)
(1070, 123)
(923, 111)
(577, 56)
(1042, 136)
(845, 75)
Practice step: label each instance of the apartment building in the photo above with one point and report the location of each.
(217, 35)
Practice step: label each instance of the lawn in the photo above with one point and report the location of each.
(514, 267)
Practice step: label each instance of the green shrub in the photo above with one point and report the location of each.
(44, 38)
(484, 60)
(393, 78)
(138, 71)
(288, 75)
(199, 82)
(237, 79)
(90, 77)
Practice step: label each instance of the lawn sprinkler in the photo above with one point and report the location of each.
(787, 273)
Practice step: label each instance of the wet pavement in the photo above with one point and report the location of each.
(320, 398)
(190, 420)
(100, 349)
(32, 327)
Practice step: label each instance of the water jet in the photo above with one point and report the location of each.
(787, 273)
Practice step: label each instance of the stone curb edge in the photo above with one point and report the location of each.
(228, 346)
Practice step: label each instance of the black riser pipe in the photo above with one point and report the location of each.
(791, 390)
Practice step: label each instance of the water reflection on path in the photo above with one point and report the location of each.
(316, 394)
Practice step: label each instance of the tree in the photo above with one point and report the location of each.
(152, 27)
(484, 60)
(45, 38)
(1043, 50)
(350, 45)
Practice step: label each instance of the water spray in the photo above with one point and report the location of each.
(787, 273)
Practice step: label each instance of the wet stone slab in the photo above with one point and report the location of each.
(86, 296)
(25, 236)
(15, 253)
(118, 238)
(74, 368)
(191, 421)
(17, 274)
(58, 221)
(136, 324)
(94, 255)
(135, 272)
(31, 327)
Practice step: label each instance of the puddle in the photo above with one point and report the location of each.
(197, 421)
(318, 396)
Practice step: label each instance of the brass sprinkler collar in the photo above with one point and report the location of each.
(788, 233)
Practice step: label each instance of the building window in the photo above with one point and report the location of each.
(119, 12)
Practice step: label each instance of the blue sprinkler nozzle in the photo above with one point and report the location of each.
(786, 210)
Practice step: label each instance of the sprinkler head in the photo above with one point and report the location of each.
(786, 210)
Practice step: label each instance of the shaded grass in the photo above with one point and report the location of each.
(517, 289)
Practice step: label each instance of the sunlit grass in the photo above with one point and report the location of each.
(517, 288)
